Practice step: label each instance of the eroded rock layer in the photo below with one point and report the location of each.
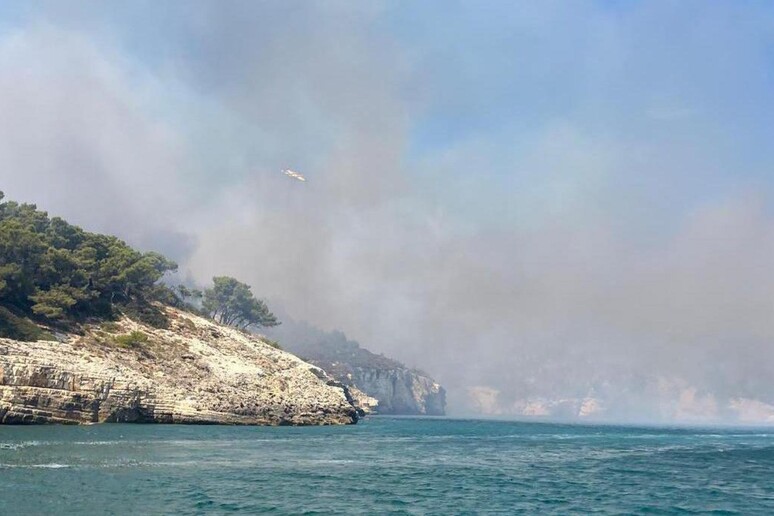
(401, 391)
(194, 372)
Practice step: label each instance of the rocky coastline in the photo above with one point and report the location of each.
(194, 372)
(400, 390)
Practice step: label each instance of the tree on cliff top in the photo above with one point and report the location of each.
(54, 272)
(231, 302)
(58, 272)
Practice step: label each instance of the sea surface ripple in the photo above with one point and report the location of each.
(386, 466)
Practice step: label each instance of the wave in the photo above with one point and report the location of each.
(52, 465)
(21, 445)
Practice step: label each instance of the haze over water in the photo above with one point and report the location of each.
(386, 465)
(558, 209)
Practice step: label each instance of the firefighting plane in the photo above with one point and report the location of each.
(293, 174)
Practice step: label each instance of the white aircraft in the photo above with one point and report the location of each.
(293, 174)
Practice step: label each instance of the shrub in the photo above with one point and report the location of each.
(131, 340)
(148, 313)
(187, 324)
(19, 328)
(272, 343)
(110, 327)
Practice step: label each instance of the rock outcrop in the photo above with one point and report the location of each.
(401, 391)
(388, 386)
(194, 372)
(363, 402)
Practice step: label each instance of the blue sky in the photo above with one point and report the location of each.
(495, 180)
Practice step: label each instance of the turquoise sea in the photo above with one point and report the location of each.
(386, 465)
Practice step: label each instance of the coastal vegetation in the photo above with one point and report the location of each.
(230, 302)
(59, 275)
(131, 340)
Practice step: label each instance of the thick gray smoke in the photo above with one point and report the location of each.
(555, 209)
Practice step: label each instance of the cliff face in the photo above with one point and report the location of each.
(392, 387)
(401, 391)
(195, 372)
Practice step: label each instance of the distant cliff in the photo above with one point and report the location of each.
(397, 388)
(195, 371)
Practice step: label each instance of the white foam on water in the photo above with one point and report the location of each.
(53, 465)
(21, 445)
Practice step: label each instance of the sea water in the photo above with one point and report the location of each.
(385, 465)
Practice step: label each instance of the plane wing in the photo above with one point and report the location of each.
(293, 174)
